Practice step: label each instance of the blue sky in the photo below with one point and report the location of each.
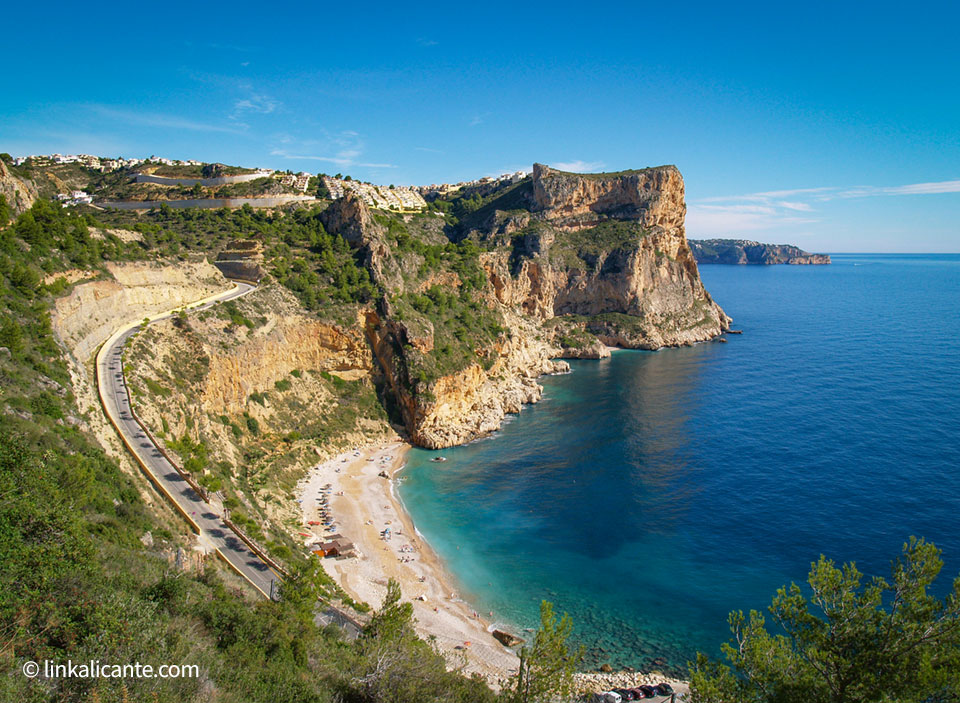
(836, 128)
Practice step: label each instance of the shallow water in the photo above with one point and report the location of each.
(651, 493)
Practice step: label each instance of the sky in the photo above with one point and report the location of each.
(834, 126)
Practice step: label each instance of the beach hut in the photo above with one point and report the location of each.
(329, 549)
(335, 549)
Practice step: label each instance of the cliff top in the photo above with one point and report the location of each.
(545, 169)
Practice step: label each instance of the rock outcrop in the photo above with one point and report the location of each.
(84, 318)
(745, 251)
(242, 260)
(630, 258)
(651, 196)
(19, 193)
(605, 254)
(472, 402)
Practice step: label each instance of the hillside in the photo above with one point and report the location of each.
(745, 251)
(94, 565)
(364, 324)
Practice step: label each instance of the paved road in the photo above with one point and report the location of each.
(116, 401)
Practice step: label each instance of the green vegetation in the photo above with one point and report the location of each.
(5, 212)
(319, 268)
(463, 327)
(609, 174)
(355, 401)
(546, 669)
(57, 239)
(229, 311)
(77, 582)
(466, 213)
(585, 248)
(194, 453)
(850, 642)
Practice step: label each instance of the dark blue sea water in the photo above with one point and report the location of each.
(651, 493)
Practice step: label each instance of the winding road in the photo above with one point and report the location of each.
(115, 398)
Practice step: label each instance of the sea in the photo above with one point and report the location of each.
(650, 494)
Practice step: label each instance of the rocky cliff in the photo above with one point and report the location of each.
(745, 251)
(91, 312)
(19, 193)
(567, 264)
(653, 197)
(464, 311)
(609, 253)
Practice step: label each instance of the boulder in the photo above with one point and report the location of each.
(506, 639)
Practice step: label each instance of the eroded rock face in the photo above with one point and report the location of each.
(471, 402)
(636, 286)
(653, 278)
(651, 196)
(20, 194)
(84, 318)
(289, 342)
(242, 260)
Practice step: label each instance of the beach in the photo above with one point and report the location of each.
(363, 505)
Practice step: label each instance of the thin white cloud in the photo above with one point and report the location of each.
(262, 104)
(727, 215)
(476, 120)
(578, 166)
(933, 188)
(765, 196)
(801, 207)
(336, 160)
(166, 121)
(343, 149)
(721, 220)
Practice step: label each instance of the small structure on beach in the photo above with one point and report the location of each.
(334, 549)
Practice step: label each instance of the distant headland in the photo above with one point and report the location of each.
(745, 251)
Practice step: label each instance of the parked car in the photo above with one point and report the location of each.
(647, 691)
(664, 689)
(627, 694)
(607, 697)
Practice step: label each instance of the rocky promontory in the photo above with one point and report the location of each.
(556, 265)
(745, 251)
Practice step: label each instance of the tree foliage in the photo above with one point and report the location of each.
(546, 669)
(849, 641)
(398, 665)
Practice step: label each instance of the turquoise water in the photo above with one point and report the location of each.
(651, 493)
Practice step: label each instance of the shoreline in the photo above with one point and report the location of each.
(363, 504)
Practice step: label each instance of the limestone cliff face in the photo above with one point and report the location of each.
(267, 386)
(651, 277)
(745, 251)
(20, 194)
(657, 283)
(605, 254)
(471, 402)
(242, 260)
(289, 341)
(91, 312)
(651, 196)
